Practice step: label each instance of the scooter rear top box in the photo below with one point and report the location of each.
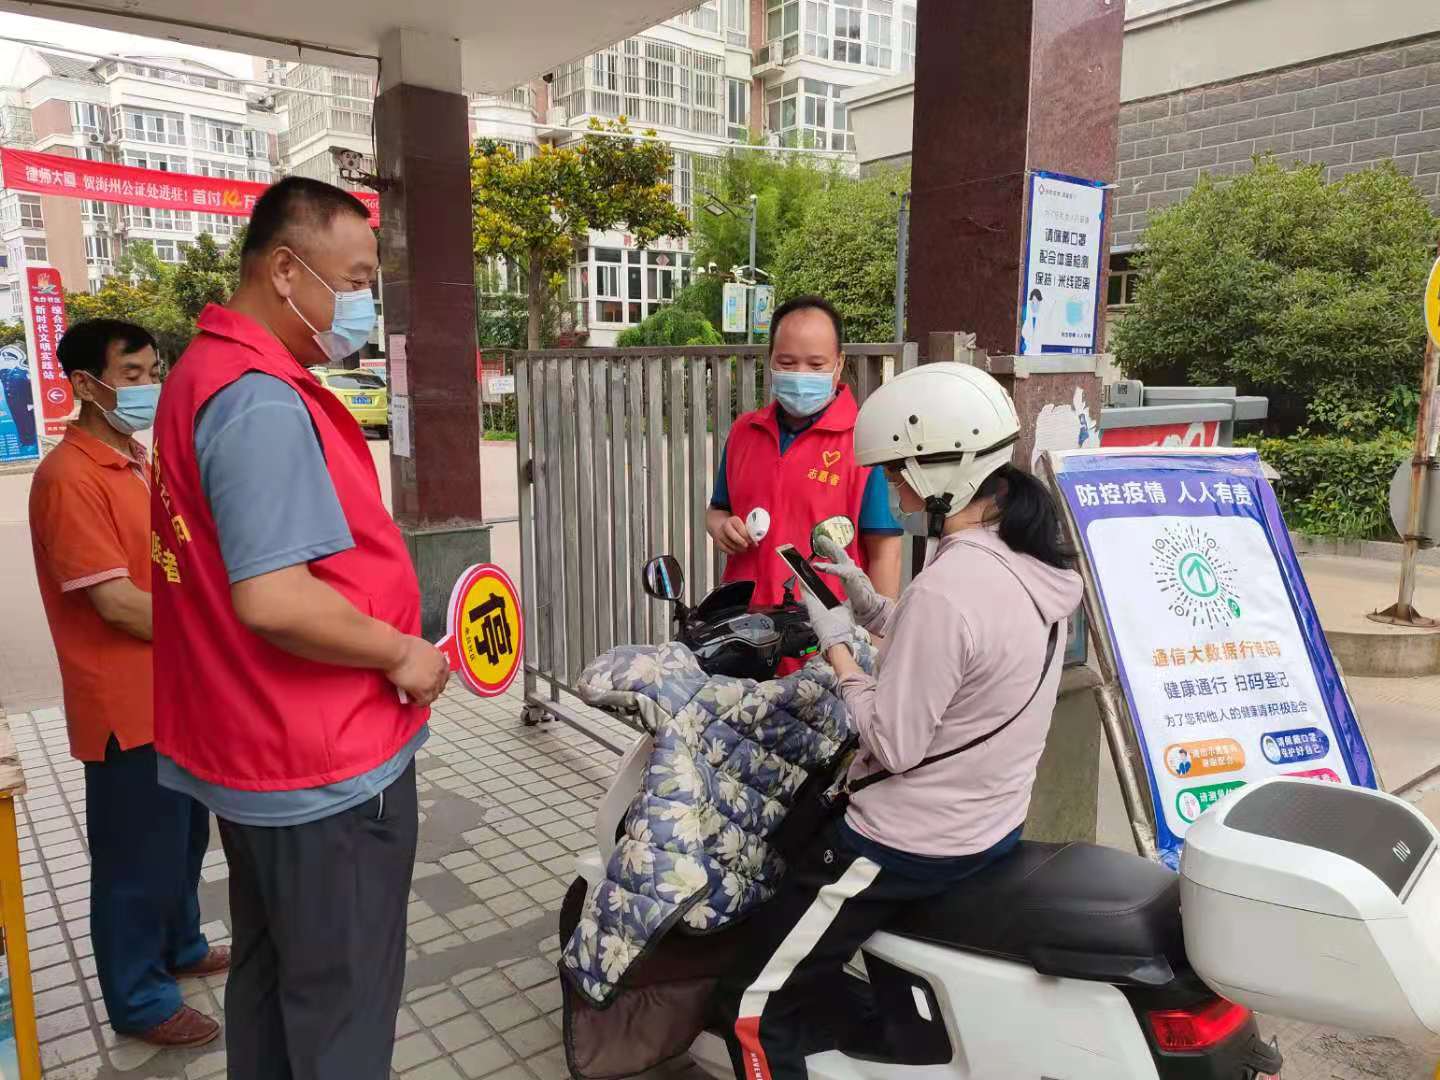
(1320, 901)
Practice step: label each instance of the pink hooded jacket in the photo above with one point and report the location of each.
(963, 651)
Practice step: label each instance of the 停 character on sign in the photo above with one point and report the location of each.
(495, 638)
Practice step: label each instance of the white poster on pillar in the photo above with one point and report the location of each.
(1060, 297)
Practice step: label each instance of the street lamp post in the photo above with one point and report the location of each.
(750, 294)
(902, 254)
(718, 207)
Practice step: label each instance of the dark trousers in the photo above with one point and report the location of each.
(318, 919)
(773, 1006)
(146, 847)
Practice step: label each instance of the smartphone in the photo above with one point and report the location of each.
(807, 575)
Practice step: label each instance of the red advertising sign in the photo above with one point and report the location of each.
(76, 178)
(1199, 433)
(47, 315)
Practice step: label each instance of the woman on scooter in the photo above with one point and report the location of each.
(951, 727)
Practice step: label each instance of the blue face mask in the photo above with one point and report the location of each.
(916, 523)
(803, 393)
(134, 407)
(350, 324)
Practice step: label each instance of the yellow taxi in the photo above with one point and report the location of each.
(363, 392)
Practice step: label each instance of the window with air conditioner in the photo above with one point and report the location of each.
(88, 119)
(31, 216)
(737, 22)
(737, 108)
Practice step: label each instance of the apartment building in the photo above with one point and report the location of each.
(726, 72)
(810, 52)
(321, 111)
(157, 112)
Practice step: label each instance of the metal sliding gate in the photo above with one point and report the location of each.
(617, 451)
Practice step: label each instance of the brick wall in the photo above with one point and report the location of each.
(1345, 112)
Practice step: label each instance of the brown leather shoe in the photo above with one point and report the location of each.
(212, 963)
(186, 1028)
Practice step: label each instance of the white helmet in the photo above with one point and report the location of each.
(947, 427)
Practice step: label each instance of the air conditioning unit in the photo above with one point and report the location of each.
(1124, 394)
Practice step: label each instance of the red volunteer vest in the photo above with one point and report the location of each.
(229, 707)
(814, 479)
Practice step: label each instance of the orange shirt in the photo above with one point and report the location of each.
(90, 522)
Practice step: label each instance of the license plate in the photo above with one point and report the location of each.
(360, 399)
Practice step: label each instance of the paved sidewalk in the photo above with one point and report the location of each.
(504, 810)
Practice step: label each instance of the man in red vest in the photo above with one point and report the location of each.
(795, 459)
(291, 686)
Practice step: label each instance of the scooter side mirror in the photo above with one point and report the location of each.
(839, 529)
(664, 579)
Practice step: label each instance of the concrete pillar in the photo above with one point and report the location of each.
(1001, 89)
(422, 148)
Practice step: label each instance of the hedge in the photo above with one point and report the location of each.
(1332, 486)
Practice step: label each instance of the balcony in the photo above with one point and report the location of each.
(555, 124)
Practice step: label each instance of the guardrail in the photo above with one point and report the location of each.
(616, 450)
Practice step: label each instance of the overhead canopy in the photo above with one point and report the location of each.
(504, 42)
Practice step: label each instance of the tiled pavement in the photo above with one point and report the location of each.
(504, 810)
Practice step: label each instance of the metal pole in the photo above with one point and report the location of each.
(750, 289)
(902, 252)
(1404, 611)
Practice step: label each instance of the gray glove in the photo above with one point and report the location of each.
(832, 626)
(871, 609)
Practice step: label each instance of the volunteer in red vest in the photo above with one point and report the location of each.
(795, 460)
(287, 616)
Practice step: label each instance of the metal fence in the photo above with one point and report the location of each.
(617, 451)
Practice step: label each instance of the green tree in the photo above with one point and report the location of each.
(843, 248)
(208, 275)
(671, 325)
(142, 291)
(534, 212)
(12, 333)
(502, 321)
(785, 187)
(1280, 284)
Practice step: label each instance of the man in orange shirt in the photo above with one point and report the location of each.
(90, 529)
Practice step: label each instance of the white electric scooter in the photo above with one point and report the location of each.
(1302, 899)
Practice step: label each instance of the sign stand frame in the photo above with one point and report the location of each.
(1122, 727)
(1115, 718)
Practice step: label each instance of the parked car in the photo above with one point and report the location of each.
(363, 392)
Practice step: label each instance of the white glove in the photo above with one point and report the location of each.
(832, 626)
(871, 609)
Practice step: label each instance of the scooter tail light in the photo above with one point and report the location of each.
(1180, 1031)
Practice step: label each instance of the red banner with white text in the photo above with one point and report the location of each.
(1199, 433)
(77, 178)
(47, 316)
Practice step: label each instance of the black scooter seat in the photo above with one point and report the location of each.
(1072, 910)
